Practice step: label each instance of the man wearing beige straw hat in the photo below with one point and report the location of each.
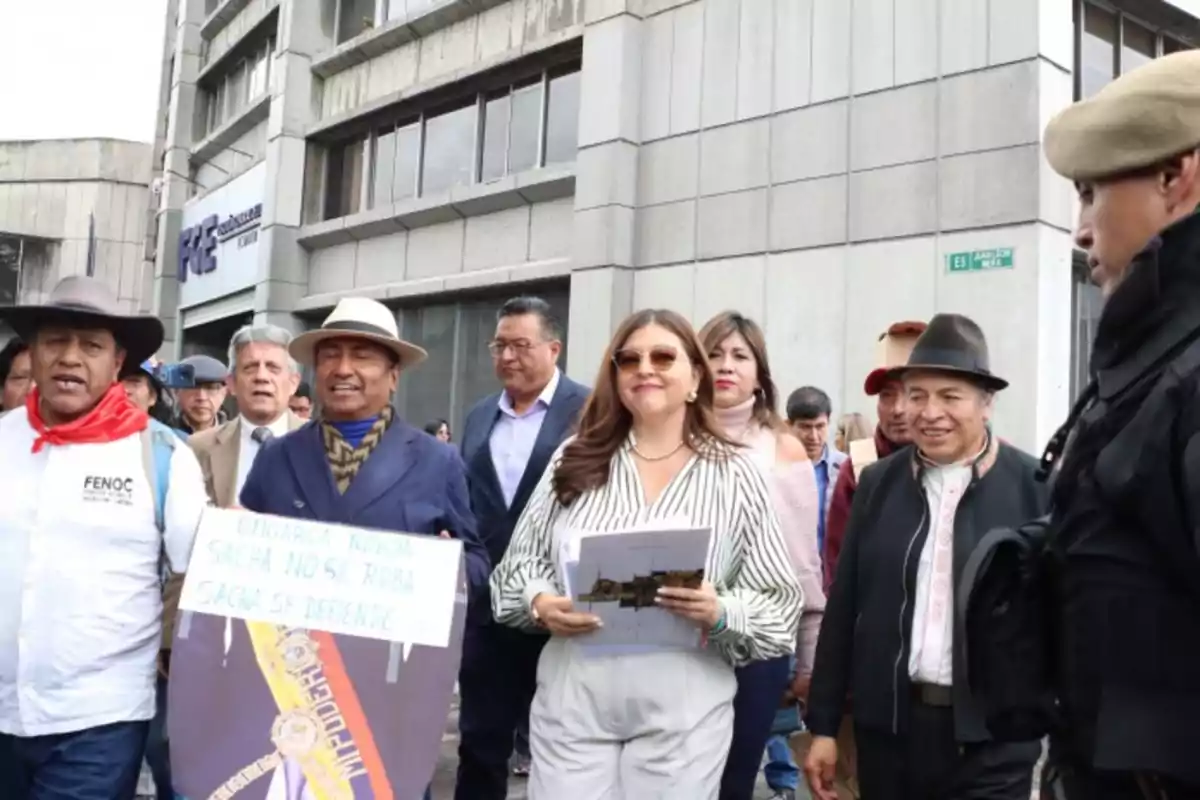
(1122, 631)
(94, 495)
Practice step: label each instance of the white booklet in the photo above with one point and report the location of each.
(616, 576)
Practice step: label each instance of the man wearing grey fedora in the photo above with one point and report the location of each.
(83, 529)
(889, 636)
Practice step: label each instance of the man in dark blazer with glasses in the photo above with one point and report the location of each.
(507, 442)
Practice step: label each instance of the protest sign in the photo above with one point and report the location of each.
(312, 661)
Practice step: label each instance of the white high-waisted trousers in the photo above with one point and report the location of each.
(652, 726)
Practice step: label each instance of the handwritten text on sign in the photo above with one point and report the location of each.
(389, 586)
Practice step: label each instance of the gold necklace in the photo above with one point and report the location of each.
(663, 457)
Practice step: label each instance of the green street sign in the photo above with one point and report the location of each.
(980, 260)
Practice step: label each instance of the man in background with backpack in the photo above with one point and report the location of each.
(82, 534)
(1125, 529)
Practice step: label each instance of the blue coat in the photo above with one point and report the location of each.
(496, 518)
(411, 483)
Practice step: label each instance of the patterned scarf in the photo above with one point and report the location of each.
(344, 460)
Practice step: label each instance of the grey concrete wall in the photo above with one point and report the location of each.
(811, 162)
(49, 188)
(490, 245)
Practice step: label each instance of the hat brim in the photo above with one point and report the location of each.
(984, 379)
(876, 379)
(140, 337)
(304, 345)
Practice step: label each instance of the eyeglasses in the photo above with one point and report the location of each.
(661, 359)
(519, 347)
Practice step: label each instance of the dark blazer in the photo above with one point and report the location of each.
(863, 648)
(497, 519)
(411, 483)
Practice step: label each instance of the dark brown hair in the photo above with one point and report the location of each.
(605, 421)
(766, 397)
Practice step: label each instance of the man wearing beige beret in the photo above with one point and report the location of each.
(1122, 622)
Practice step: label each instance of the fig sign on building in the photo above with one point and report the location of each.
(980, 260)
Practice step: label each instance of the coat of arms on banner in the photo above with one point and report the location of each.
(313, 661)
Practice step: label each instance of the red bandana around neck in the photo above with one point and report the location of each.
(113, 418)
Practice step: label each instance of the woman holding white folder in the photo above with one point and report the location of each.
(652, 724)
(745, 399)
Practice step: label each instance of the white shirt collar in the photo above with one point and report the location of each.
(277, 428)
(543, 399)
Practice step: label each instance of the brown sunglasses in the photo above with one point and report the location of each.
(661, 359)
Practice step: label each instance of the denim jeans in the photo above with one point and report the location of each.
(158, 754)
(94, 764)
(781, 771)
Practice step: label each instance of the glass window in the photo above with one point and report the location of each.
(562, 116)
(460, 366)
(343, 188)
(216, 108)
(396, 9)
(427, 395)
(383, 165)
(495, 136)
(408, 160)
(1174, 45)
(1137, 46)
(236, 91)
(354, 17)
(1099, 45)
(449, 158)
(525, 127)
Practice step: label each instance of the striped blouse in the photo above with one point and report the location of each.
(748, 562)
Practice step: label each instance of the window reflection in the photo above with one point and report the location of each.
(344, 185)
(562, 117)
(495, 136)
(1099, 43)
(383, 168)
(408, 161)
(524, 127)
(449, 150)
(1137, 46)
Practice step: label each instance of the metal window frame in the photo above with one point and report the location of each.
(540, 78)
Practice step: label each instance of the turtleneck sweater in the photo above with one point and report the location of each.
(793, 487)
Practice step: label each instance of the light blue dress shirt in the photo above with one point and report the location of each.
(514, 435)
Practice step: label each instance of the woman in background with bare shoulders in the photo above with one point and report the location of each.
(745, 398)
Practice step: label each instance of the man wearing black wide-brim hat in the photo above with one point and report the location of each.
(889, 636)
(82, 534)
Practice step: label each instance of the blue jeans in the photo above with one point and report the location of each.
(158, 754)
(781, 771)
(760, 685)
(94, 764)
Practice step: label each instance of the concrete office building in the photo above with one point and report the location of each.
(824, 166)
(55, 196)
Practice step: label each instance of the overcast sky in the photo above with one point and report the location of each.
(80, 68)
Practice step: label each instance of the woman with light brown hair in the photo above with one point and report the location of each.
(745, 399)
(850, 428)
(651, 721)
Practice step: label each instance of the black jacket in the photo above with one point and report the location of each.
(496, 518)
(1125, 531)
(863, 649)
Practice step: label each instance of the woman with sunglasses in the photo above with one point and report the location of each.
(745, 398)
(655, 723)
